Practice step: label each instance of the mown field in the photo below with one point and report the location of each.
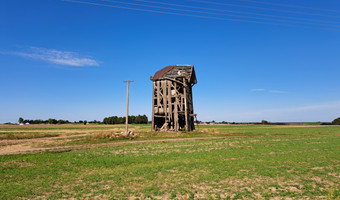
(232, 162)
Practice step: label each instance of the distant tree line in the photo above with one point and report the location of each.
(143, 119)
(40, 121)
(265, 122)
(336, 121)
(55, 121)
(140, 119)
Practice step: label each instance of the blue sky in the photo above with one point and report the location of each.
(276, 60)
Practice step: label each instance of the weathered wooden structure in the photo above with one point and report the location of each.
(172, 103)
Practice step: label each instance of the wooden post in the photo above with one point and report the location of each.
(158, 94)
(165, 104)
(186, 105)
(170, 105)
(165, 101)
(192, 111)
(176, 110)
(127, 106)
(153, 107)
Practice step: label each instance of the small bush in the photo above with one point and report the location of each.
(114, 134)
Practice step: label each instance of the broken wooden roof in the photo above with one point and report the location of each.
(176, 72)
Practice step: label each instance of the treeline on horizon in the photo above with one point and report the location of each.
(143, 119)
(264, 122)
(139, 119)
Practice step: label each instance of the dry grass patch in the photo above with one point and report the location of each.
(18, 163)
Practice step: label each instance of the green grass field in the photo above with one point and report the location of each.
(248, 162)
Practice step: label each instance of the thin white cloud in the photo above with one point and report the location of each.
(330, 105)
(257, 90)
(317, 112)
(270, 91)
(277, 91)
(56, 56)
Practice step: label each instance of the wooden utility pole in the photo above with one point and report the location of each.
(127, 106)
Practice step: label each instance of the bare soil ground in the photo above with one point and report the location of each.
(35, 145)
(13, 146)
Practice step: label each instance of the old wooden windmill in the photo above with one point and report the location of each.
(172, 103)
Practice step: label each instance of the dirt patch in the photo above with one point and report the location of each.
(27, 145)
(317, 168)
(18, 163)
(27, 148)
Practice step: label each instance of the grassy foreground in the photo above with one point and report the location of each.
(251, 162)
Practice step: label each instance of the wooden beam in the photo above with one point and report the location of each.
(192, 110)
(164, 99)
(161, 116)
(176, 110)
(158, 94)
(170, 104)
(153, 106)
(186, 106)
(174, 80)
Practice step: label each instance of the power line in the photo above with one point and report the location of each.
(210, 13)
(288, 5)
(190, 15)
(261, 8)
(240, 12)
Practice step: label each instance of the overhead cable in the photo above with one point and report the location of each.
(240, 12)
(196, 16)
(289, 5)
(261, 8)
(210, 13)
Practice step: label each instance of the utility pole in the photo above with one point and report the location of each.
(127, 105)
